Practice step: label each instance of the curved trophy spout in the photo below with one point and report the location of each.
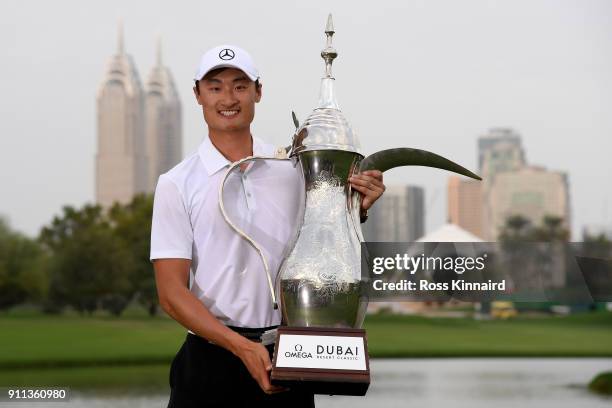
(405, 156)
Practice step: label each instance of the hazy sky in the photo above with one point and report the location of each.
(428, 74)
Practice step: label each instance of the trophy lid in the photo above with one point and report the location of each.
(326, 128)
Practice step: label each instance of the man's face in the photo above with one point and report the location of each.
(228, 100)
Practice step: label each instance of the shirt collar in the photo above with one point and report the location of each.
(214, 161)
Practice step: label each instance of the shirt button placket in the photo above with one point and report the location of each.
(247, 193)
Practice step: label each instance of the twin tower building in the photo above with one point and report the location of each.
(139, 129)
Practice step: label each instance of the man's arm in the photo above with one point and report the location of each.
(172, 279)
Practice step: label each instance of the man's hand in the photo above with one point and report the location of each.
(172, 278)
(370, 185)
(257, 360)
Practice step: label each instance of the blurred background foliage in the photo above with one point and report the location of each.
(86, 259)
(90, 260)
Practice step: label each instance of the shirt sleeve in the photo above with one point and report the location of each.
(171, 231)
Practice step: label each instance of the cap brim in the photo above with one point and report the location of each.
(251, 76)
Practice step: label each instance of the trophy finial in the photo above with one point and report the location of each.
(329, 28)
(329, 53)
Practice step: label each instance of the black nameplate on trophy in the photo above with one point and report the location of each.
(322, 360)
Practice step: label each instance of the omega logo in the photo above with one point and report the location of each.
(298, 353)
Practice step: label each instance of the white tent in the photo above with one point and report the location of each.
(450, 233)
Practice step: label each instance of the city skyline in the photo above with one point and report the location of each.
(510, 186)
(139, 128)
(541, 68)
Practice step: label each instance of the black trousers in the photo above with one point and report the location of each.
(205, 375)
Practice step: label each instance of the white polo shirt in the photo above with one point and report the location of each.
(227, 274)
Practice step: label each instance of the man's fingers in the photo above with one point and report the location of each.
(265, 358)
(263, 379)
(369, 196)
(264, 382)
(367, 184)
(374, 173)
(267, 386)
(370, 188)
(369, 192)
(361, 178)
(276, 390)
(374, 177)
(262, 372)
(361, 189)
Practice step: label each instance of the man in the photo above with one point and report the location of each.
(226, 304)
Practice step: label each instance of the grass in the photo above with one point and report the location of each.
(38, 341)
(134, 352)
(583, 335)
(65, 341)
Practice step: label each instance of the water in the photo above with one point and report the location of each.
(474, 383)
(423, 383)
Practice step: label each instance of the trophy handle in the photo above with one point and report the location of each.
(280, 155)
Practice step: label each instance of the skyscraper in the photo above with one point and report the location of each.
(512, 187)
(509, 187)
(465, 204)
(163, 121)
(398, 216)
(499, 150)
(532, 192)
(121, 162)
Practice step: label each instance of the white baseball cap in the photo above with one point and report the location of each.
(227, 56)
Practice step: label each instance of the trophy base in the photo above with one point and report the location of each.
(321, 360)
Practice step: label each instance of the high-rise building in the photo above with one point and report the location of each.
(532, 192)
(139, 133)
(163, 121)
(465, 204)
(500, 150)
(121, 162)
(398, 216)
(509, 187)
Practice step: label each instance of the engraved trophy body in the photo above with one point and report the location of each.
(320, 281)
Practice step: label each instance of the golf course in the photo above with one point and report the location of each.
(135, 351)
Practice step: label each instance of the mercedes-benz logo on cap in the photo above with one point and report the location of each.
(226, 54)
(298, 347)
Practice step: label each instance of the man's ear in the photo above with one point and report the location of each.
(258, 94)
(197, 94)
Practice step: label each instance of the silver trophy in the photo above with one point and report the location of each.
(321, 287)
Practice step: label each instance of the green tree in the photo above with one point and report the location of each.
(551, 230)
(89, 266)
(544, 258)
(519, 228)
(516, 228)
(22, 276)
(132, 226)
